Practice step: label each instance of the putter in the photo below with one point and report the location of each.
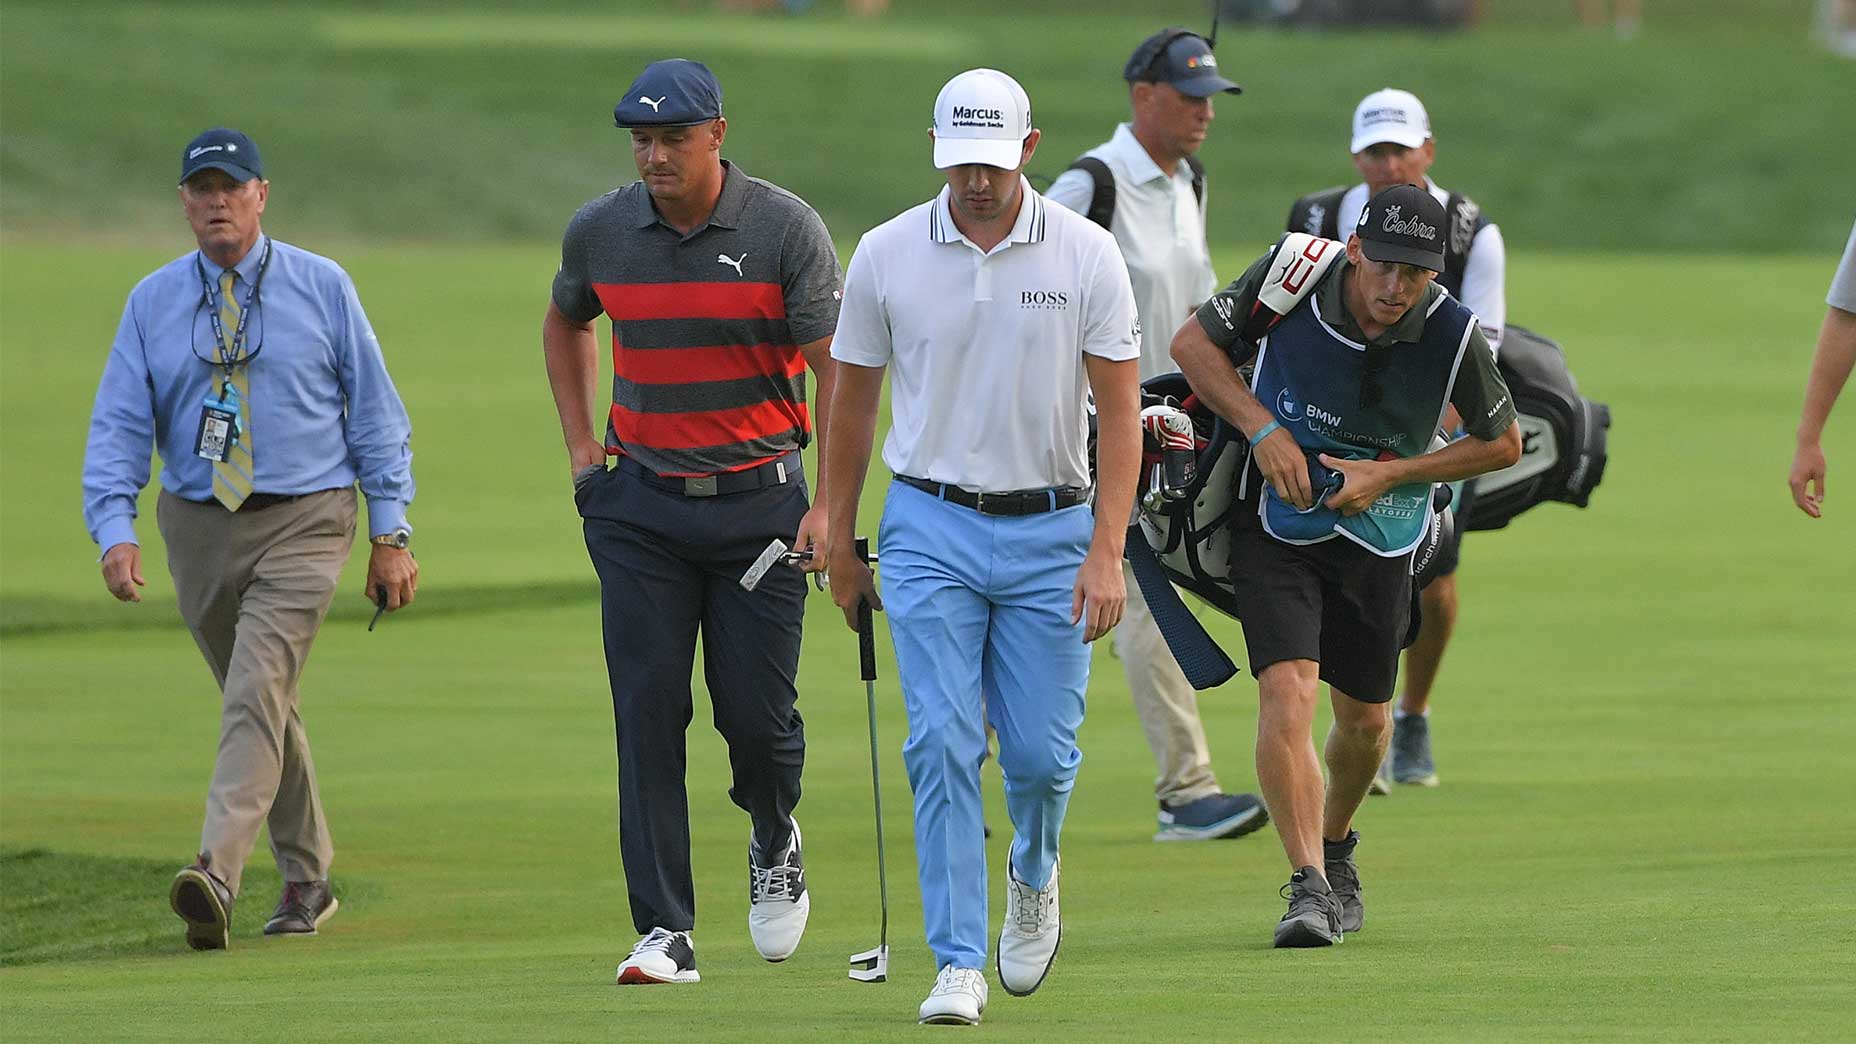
(872, 965)
(777, 551)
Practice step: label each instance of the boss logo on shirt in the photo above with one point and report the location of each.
(1051, 299)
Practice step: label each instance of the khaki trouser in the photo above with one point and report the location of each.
(1166, 703)
(253, 588)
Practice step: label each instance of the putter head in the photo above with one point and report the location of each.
(871, 965)
(767, 560)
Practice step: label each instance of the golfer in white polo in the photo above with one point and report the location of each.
(996, 315)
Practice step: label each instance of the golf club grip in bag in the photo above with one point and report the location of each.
(866, 626)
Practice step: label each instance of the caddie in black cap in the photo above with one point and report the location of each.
(222, 149)
(1357, 353)
(1403, 225)
(675, 92)
(1182, 58)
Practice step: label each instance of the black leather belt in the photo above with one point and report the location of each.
(260, 501)
(773, 473)
(1014, 503)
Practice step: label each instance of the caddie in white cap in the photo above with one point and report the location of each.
(1392, 144)
(996, 315)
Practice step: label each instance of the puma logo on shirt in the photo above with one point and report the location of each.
(732, 262)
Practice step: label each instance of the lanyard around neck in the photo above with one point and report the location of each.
(233, 354)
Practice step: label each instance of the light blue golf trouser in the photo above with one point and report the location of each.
(981, 604)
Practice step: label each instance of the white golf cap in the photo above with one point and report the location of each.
(1390, 115)
(981, 116)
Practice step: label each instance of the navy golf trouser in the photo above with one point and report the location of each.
(669, 569)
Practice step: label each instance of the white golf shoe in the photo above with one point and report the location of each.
(958, 998)
(662, 956)
(778, 903)
(1028, 942)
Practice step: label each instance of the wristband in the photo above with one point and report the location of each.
(1263, 432)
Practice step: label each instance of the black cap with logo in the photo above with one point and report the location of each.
(222, 148)
(1179, 57)
(1403, 225)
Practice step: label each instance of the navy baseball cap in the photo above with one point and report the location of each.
(1403, 225)
(222, 148)
(1182, 58)
(675, 92)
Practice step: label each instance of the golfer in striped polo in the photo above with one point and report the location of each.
(721, 289)
(995, 314)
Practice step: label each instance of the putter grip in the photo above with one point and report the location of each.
(866, 627)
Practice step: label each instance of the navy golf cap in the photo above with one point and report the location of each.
(1403, 225)
(1182, 58)
(675, 92)
(222, 148)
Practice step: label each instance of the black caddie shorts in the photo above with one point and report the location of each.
(1334, 602)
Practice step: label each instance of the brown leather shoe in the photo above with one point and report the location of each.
(302, 908)
(205, 903)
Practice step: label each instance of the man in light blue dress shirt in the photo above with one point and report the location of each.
(250, 367)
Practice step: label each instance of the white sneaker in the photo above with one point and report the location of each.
(1028, 942)
(958, 998)
(778, 903)
(662, 956)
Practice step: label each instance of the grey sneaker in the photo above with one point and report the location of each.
(1411, 751)
(205, 903)
(1344, 878)
(1314, 914)
(302, 908)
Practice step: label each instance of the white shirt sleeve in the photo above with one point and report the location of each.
(1843, 284)
(1110, 329)
(1485, 283)
(862, 337)
(1210, 283)
(1074, 189)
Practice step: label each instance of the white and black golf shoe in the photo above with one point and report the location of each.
(662, 956)
(958, 998)
(778, 903)
(1028, 941)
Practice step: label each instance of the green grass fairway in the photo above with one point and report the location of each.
(1723, 128)
(1644, 733)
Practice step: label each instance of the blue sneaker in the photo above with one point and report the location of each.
(1411, 751)
(1213, 816)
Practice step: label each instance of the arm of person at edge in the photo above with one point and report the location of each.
(379, 438)
(1493, 440)
(1830, 369)
(1101, 591)
(815, 527)
(1211, 369)
(847, 461)
(116, 459)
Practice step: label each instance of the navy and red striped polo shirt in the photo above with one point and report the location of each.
(706, 328)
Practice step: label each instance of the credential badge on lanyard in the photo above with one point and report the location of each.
(222, 413)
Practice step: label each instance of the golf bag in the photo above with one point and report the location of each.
(1190, 532)
(1563, 435)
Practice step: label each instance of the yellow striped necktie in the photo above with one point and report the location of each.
(232, 477)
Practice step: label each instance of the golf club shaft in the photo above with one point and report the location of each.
(866, 662)
(876, 793)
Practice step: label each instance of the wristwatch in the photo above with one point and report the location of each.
(399, 538)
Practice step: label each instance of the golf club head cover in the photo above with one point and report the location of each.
(1168, 429)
